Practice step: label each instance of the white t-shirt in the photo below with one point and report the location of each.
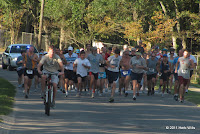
(194, 60)
(81, 70)
(70, 59)
(115, 62)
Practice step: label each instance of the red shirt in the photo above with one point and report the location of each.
(106, 56)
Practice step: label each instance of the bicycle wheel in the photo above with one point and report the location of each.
(48, 103)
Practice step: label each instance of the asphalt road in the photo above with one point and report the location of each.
(72, 115)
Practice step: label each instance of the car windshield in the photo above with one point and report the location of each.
(18, 49)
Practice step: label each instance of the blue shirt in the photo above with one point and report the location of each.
(175, 61)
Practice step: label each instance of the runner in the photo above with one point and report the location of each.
(102, 73)
(171, 75)
(113, 71)
(176, 85)
(94, 59)
(81, 65)
(138, 65)
(165, 69)
(191, 69)
(20, 68)
(70, 75)
(31, 60)
(51, 64)
(125, 71)
(184, 72)
(153, 66)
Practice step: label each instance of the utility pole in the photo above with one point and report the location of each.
(41, 24)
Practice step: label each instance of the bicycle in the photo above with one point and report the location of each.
(48, 98)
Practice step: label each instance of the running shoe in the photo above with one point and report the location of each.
(19, 86)
(100, 95)
(176, 97)
(134, 97)
(111, 100)
(66, 94)
(126, 93)
(53, 105)
(106, 89)
(92, 95)
(149, 92)
(152, 92)
(26, 96)
(186, 90)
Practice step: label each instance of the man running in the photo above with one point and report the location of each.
(184, 72)
(20, 68)
(94, 59)
(70, 75)
(113, 71)
(165, 69)
(125, 71)
(51, 64)
(31, 60)
(176, 85)
(152, 64)
(138, 65)
(81, 66)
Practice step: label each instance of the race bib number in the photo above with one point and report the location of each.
(125, 72)
(184, 71)
(151, 69)
(29, 71)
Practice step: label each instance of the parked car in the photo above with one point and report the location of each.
(11, 54)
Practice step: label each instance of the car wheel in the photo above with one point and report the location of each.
(3, 65)
(10, 68)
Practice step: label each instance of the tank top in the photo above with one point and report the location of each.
(164, 67)
(30, 64)
(152, 66)
(184, 69)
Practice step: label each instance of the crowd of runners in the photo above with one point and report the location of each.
(94, 70)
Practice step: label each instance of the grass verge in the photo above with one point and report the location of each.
(7, 94)
(193, 97)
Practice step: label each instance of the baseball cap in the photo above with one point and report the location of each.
(164, 55)
(70, 48)
(164, 49)
(138, 53)
(172, 49)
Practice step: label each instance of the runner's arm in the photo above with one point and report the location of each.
(177, 66)
(61, 67)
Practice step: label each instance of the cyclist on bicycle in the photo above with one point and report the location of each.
(51, 64)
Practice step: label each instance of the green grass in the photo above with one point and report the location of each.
(193, 97)
(7, 94)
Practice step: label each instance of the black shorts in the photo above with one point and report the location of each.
(30, 76)
(150, 76)
(36, 73)
(20, 72)
(83, 78)
(112, 76)
(191, 73)
(95, 75)
(136, 76)
(164, 76)
(106, 70)
(70, 75)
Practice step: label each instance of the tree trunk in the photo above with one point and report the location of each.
(174, 38)
(36, 36)
(62, 38)
(12, 36)
(163, 8)
(47, 42)
(184, 41)
(177, 18)
(41, 24)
